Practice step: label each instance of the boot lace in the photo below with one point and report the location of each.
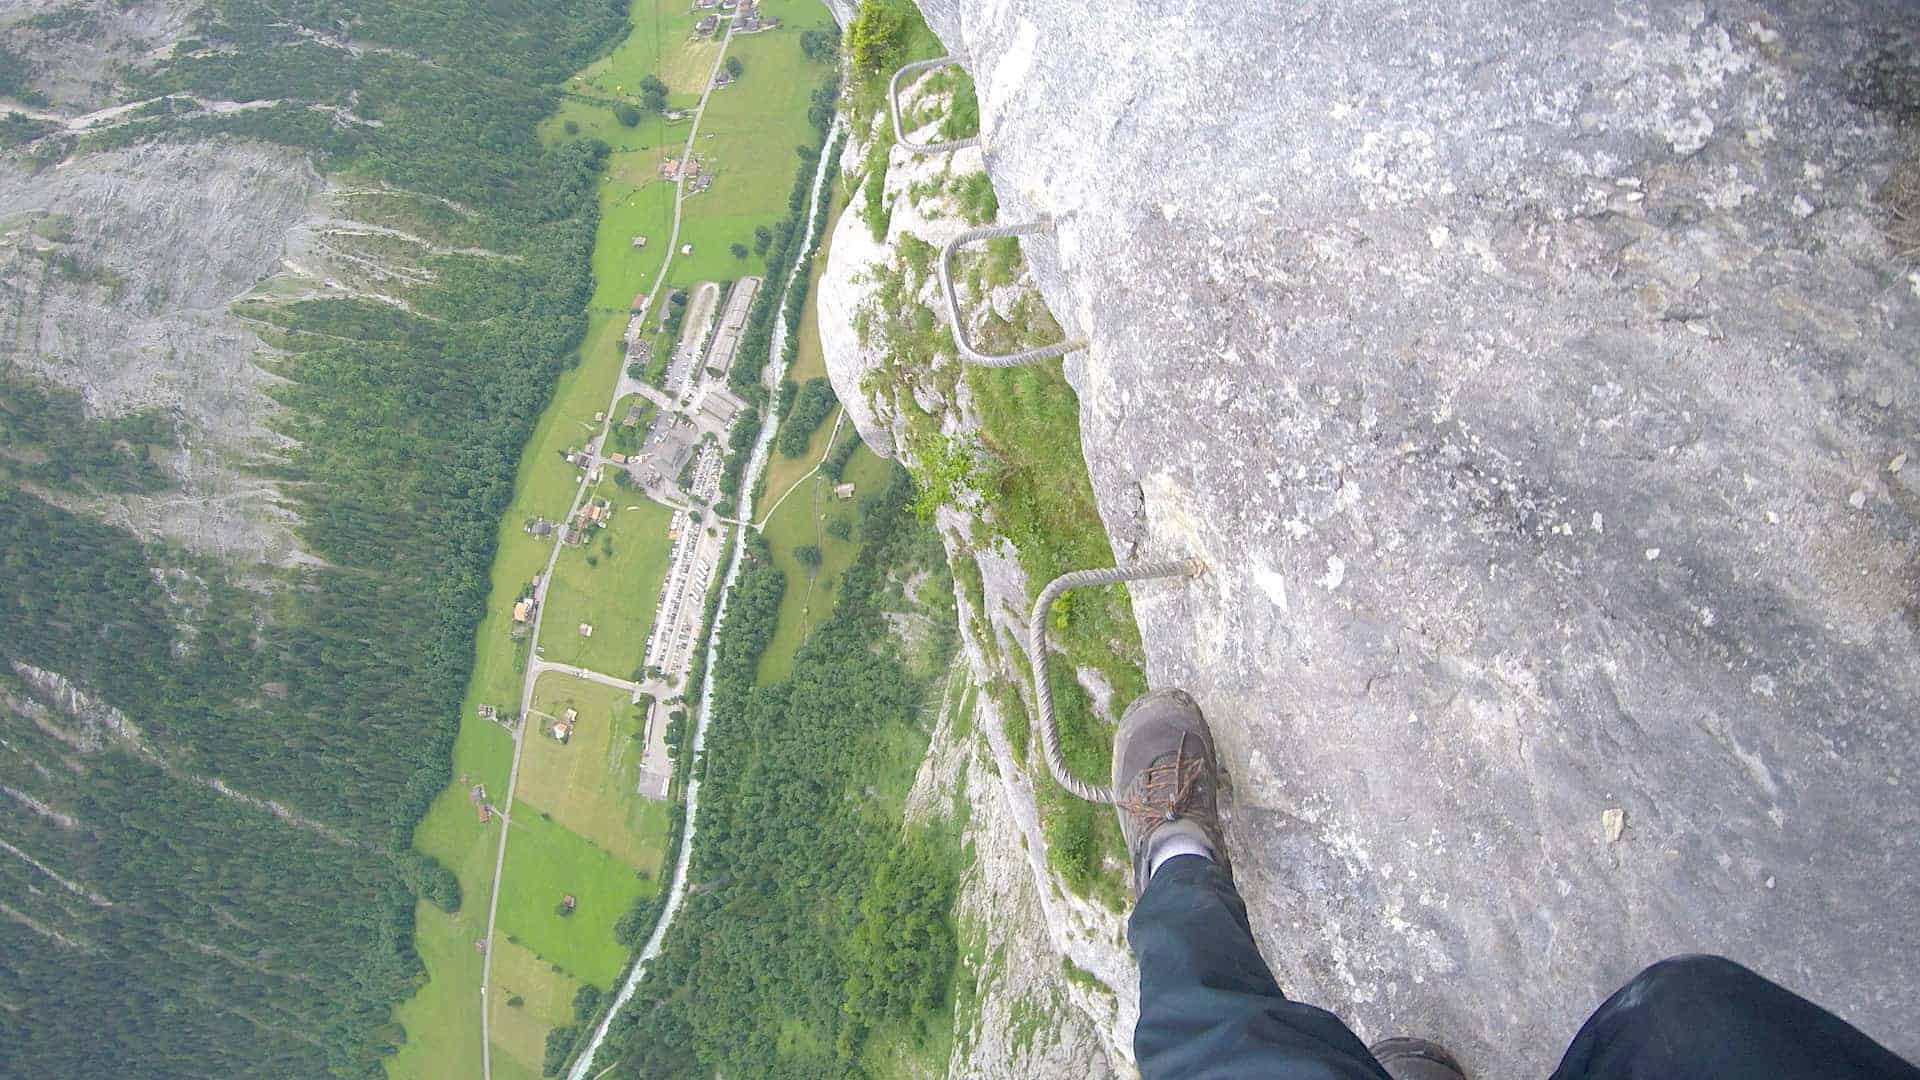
(1166, 789)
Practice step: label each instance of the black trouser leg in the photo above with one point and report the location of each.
(1705, 1017)
(1209, 1007)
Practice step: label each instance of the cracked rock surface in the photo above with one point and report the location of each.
(1529, 380)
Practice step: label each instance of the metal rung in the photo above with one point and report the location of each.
(967, 352)
(1037, 654)
(893, 106)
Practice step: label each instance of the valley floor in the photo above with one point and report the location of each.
(560, 811)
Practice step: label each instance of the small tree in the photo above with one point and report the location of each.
(627, 115)
(739, 251)
(734, 66)
(572, 126)
(653, 94)
(762, 239)
(842, 529)
(808, 554)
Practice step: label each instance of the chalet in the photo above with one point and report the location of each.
(586, 629)
(567, 901)
(570, 716)
(523, 610)
(639, 302)
(617, 458)
(707, 25)
(670, 168)
(599, 418)
(488, 712)
(540, 527)
(639, 241)
(686, 249)
(843, 491)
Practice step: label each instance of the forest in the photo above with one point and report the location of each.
(811, 919)
(209, 932)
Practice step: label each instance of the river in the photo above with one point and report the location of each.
(756, 464)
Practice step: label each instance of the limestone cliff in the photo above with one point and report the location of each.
(1537, 386)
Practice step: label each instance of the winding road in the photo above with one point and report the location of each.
(535, 666)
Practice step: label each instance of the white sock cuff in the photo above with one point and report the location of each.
(1177, 838)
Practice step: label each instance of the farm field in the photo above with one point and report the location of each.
(546, 861)
(588, 784)
(611, 583)
(545, 1001)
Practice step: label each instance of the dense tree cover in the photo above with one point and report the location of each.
(224, 940)
(902, 952)
(238, 941)
(878, 30)
(821, 44)
(47, 439)
(816, 399)
(795, 866)
(837, 458)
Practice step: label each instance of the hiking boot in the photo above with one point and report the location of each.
(1416, 1059)
(1166, 780)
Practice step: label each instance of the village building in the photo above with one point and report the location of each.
(487, 712)
(670, 168)
(722, 406)
(617, 458)
(707, 25)
(639, 241)
(586, 629)
(523, 611)
(843, 491)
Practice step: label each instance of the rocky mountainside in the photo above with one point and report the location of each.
(255, 265)
(1537, 388)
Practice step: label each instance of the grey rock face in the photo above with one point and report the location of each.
(76, 48)
(165, 236)
(1528, 378)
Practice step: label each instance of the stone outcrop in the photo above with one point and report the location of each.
(1536, 385)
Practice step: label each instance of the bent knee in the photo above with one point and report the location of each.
(1696, 978)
